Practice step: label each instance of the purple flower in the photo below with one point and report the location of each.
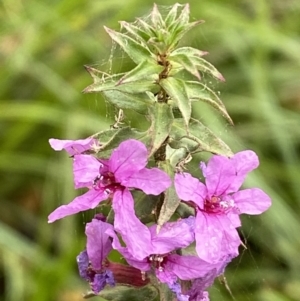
(91, 262)
(168, 266)
(219, 203)
(74, 147)
(112, 178)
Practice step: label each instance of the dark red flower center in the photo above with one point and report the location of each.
(217, 205)
(107, 181)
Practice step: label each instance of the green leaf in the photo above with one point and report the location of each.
(136, 51)
(171, 16)
(199, 92)
(111, 138)
(145, 206)
(207, 67)
(175, 88)
(186, 63)
(148, 69)
(161, 116)
(169, 206)
(126, 293)
(174, 156)
(156, 18)
(188, 51)
(199, 138)
(137, 102)
(136, 32)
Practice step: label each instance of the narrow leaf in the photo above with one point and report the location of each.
(137, 102)
(136, 32)
(135, 51)
(200, 92)
(189, 51)
(161, 116)
(111, 138)
(148, 69)
(203, 138)
(171, 16)
(207, 67)
(175, 88)
(156, 18)
(186, 63)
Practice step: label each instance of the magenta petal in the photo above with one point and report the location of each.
(252, 201)
(89, 200)
(243, 162)
(220, 172)
(85, 170)
(135, 234)
(98, 242)
(188, 267)
(189, 188)
(73, 147)
(142, 265)
(216, 237)
(151, 181)
(172, 236)
(129, 157)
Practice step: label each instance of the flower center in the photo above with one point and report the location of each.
(218, 205)
(158, 261)
(107, 181)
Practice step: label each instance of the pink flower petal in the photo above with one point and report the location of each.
(135, 234)
(98, 242)
(243, 162)
(73, 147)
(191, 267)
(142, 265)
(189, 188)
(85, 170)
(89, 200)
(219, 172)
(129, 157)
(172, 236)
(252, 201)
(216, 237)
(151, 181)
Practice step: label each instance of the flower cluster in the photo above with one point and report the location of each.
(164, 254)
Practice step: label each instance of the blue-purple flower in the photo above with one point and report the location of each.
(92, 261)
(219, 203)
(114, 177)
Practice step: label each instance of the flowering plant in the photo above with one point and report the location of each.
(168, 253)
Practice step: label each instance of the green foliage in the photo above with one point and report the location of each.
(43, 45)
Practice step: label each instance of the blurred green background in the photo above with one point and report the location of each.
(43, 47)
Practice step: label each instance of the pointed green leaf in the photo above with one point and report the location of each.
(136, 102)
(207, 67)
(161, 116)
(171, 16)
(184, 17)
(203, 138)
(148, 69)
(131, 87)
(148, 28)
(136, 51)
(180, 30)
(156, 18)
(198, 91)
(175, 88)
(188, 51)
(186, 63)
(136, 32)
(111, 138)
